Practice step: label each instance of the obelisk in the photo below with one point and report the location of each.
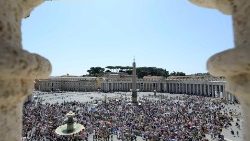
(134, 90)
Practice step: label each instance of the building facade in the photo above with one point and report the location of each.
(68, 83)
(112, 82)
(194, 85)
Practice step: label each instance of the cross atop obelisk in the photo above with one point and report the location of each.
(134, 90)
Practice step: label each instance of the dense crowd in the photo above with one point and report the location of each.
(189, 118)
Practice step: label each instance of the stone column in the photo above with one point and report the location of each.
(103, 86)
(123, 86)
(204, 89)
(108, 86)
(201, 90)
(209, 89)
(170, 87)
(127, 86)
(192, 88)
(189, 88)
(164, 87)
(197, 89)
(186, 88)
(112, 86)
(167, 87)
(148, 87)
(176, 88)
(180, 88)
(234, 63)
(212, 90)
(219, 91)
(224, 91)
(18, 68)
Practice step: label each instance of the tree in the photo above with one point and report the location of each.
(140, 71)
(129, 72)
(96, 71)
(177, 73)
(110, 68)
(107, 71)
(117, 68)
(153, 71)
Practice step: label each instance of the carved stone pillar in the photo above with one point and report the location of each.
(18, 68)
(234, 63)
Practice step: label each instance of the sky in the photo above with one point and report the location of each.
(171, 34)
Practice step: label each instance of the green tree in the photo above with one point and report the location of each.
(110, 68)
(96, 71)
(144, 71)
(107, 71)
(177, 73)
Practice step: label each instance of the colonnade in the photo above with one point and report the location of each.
(211, 89)
(206, 89)
(127, 86)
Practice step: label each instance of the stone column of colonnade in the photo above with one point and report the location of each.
(180, 87)
(18, 68)
(194, 90)
(173, 90)
(234, 63)
(171, 87)
(189, 88)
(186, 91)
(197, 89)
(200, 89)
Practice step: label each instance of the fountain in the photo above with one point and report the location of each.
(71, 127)
(154, 92)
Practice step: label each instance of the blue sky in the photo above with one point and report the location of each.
(173, 34)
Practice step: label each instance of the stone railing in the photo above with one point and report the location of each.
(234, 63)
(19, 68)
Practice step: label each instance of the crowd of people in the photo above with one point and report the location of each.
(180, 118)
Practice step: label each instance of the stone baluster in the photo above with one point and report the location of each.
(234, 63)
(18, 68)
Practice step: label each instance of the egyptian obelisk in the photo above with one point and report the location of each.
(134, 90)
